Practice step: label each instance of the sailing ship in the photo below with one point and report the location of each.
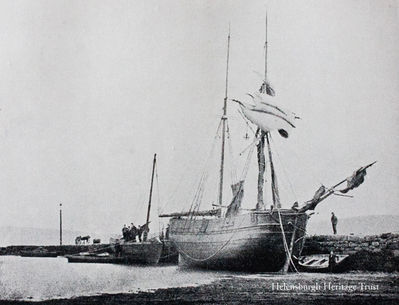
(258, 239)
(147, 251)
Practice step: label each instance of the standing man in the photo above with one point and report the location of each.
(133, 232)
(334, 221)
(124, 232)
(139, 232)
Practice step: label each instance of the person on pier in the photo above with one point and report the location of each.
(133, 232)
(125, 232)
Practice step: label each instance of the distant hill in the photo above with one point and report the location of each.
(37, 236)
(359, 225)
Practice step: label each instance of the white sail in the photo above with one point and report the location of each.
(267, 116)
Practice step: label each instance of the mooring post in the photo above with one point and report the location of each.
(60, 224)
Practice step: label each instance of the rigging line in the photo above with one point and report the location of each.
(250, 145)
(284, 170)
(286, 249)
(214, 254)
(206, 164)
(199, 192)
(246, 121)
(233, 172)
(248, 160)
(159, 196)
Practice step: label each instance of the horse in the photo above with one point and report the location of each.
(82, 239)
(85, 239)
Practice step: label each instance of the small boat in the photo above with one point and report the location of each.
(38, 252)
(101, 258)
(147, 250)
(321, 263)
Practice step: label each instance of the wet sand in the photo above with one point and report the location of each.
(262, 289)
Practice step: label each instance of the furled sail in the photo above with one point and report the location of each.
(356, 179)
(267, 88)
(213, 212)
(322, 193)
(238, 194)
(266, 115)
(317, 197)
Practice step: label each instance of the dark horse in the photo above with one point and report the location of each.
(82, 239)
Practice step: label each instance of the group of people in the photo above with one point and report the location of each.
(131, 233)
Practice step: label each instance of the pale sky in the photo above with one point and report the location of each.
(89, 90)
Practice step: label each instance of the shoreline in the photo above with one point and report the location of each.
(257, 290)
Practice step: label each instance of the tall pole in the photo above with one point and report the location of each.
(224, 118)
(275, 194)
(266, 51)
(152, 184)
(261, 145)
(60, 224)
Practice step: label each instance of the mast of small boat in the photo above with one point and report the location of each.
(224, 119)
(150, 197)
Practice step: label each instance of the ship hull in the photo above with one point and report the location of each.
(247, 242)
(148, 252)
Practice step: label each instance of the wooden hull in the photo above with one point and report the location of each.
(169, 253)
(96, 259)
(148, 252)
(247, 242)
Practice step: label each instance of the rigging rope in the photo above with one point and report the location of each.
(248, 160)
(159, 198)
(233, 172)
(286, 249)
(214, 254)
(284, 170)
(196, 202)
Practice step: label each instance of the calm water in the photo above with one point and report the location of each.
(51, 278)
(25, 278)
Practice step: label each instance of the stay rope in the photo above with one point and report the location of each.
(212, 255)
(233, 172)
(196, 202)
(286, 248)
(284, 170)
(243, 176)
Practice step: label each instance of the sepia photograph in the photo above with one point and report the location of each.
(199, 152)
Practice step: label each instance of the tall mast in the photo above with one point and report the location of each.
(152, 183)
(261, 145)
(275, 193)
(224, 118)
